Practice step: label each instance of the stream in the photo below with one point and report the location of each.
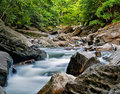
(29, 79)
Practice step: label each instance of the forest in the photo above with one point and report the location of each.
(43, 13)
(59, 46)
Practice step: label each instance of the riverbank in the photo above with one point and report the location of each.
(16, 47)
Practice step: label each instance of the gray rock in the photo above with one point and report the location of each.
(5, 63)
(115, 89)
(56, 84)
(98, 79)
(2, 90)
(115, 58)
(68, 29)
(80, 62)
(17, 45)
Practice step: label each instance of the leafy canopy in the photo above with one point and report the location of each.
(42, 13)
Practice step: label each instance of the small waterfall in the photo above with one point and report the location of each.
(11, 67)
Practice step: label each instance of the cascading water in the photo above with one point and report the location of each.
(30, 78)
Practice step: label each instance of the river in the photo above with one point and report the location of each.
(29, 79)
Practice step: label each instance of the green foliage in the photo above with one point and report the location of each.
(99, 12)
(96, 22)
(67, 11)
(24, 12)
(40, 13)
(110, 11)
(44, 13)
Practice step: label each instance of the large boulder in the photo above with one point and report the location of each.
(2, 90)
(17, 45)
(9, 33)
(98, 79)
(5, 63)
(81, 61)
(56, 84)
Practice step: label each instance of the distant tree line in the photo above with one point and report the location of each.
(42, 13)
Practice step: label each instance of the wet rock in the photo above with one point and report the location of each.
(108, 34)
(115, 58)
(9, 33)
(61, 43)
(17, 45)
(80, 62)
(2, 90)
(83, 39)
(62, 36)
(55, 39)
(56, 84)
(77, 31)
(98, 79)
(54, 33)
(27, 62)
(90, 48)
(68, 29)
(76, 38)
(105, 47)
(34, 47)
(5, 63)
(50, 73)
(115, 89)
(90, 39)
(71, 48)
(46, 42)
(14, 70)
(56, 55)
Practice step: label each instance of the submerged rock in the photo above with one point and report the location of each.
(2, 90)
(17, 45)
(50, 73)
(81, 61)
(5, 63)
(98, 79)
(14, 70)
(56, 84)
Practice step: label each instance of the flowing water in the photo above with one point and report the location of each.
(29, 79)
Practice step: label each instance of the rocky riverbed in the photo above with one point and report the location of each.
(91, 63)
